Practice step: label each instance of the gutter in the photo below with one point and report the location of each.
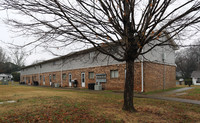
(61, 72)
(39, 75)
(163, 59)
(142, 74)
(61, 75)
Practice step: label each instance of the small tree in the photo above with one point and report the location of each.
(3, 57)
(16, 76)
(188, 60)
(18, 57)
(8, 67)
(129, 24)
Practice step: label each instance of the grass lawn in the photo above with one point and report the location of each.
(193, 94)
(40, 104)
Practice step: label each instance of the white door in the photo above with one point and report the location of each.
(70, 80)
(83, 79)
(50, 80)
(43, 80)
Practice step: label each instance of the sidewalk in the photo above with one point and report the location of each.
(162, 96)
(172, 92)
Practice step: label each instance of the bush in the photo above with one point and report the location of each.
(16, 76)
(189, 80)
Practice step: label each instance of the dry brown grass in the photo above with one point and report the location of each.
(39, 104)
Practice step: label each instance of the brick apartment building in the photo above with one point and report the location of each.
(154, 71)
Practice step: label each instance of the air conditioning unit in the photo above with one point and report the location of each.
(97, 87)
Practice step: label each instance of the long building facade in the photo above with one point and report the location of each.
(153, 71)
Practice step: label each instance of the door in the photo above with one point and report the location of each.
(43, 80)
(25, 80)
(50, 79)
(70, 80)
(83, 79)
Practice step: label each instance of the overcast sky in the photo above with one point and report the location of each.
(37, 54)
(7, 36)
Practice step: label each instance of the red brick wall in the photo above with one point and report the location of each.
(153, 76)
(156, 74)
(111, 84)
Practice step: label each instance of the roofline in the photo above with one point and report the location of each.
(62, 57)
(88, 50)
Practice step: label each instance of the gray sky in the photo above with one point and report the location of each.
(7, 36)
(37, 54)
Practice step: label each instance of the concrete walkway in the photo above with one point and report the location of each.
(168, 98)
(173, 91)
(162, 96)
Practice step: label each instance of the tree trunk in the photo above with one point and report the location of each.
(129, 85)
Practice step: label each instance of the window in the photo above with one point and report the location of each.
(70, 77)
(54, 62)
(91, 75)
(114, 74)
(40, 66)
(54, 76)
(198, 80)
(40, 77)
(64, 76)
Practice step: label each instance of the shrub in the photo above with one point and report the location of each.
(16, 76)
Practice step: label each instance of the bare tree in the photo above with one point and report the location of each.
(3, 57)
(19, 57)
(129, 24)
(188, 60)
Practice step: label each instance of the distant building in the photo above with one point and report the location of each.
(195, 77)
(6, 76)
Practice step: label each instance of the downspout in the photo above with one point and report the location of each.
(39, 74)
(142, 74)
(163, 53)
(61, 73)
(25, 78)
(164, 75)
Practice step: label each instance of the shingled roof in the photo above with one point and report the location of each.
(195, 74)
